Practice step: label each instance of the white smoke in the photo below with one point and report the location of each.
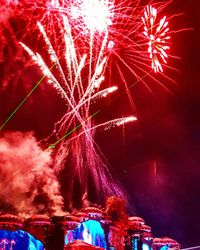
(27, 180)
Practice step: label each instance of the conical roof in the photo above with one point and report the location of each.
(79, 244)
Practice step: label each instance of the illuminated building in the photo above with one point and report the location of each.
(91, 228)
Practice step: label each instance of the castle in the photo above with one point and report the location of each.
(88, 228)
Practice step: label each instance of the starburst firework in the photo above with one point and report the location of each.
(157, 34)
(81, 39)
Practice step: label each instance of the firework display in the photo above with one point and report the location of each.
(78, 46)
(84, 53)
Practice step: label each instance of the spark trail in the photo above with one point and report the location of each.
(83, 38)
(79, 93)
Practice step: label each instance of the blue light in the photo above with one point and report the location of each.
(94, 230)
(19, 240)
(134, 243)
(164, 248)
(89, 231)
(145, 246)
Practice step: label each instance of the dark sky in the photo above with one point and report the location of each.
(156, 159)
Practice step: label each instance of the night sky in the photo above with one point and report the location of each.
(157, 159)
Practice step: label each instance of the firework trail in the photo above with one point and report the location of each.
(112, 27)
(81, 38)
(79, 93)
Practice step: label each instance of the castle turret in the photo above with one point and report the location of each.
(39, 226)
(10, 222)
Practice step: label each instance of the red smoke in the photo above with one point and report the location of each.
(27, 180)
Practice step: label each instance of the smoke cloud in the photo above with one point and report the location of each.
(27, 180)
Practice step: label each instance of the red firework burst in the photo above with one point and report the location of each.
(157, 33)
